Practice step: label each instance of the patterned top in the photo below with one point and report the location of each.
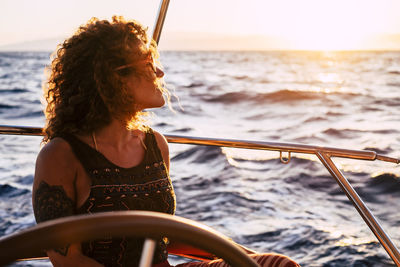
(146, 186)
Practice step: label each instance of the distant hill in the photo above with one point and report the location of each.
(388, 41)
(213, 41)
(35, 45)
(206, 41)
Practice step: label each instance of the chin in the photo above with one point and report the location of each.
(161, 101)
(159, 104)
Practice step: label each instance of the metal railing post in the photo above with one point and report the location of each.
(362, 209)
(162, 12)
(149, 247)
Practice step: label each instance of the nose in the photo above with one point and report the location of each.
(159, 72)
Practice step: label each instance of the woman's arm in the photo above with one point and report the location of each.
(54, 196)
(247, 250)
(189, 251)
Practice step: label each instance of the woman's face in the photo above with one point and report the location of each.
(145, 88)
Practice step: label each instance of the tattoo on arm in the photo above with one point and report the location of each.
(52, 202)
(62, 251)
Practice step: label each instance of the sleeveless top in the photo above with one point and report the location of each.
(146, 186)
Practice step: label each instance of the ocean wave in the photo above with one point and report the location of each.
(183, 130)
(320, 183)
(353, 255)
(278, 96)
(8, 191)
(283, 240)
(223, 203)
(396, 72)
(256, 117)
(335, 114)
(309, 237)
(25, 180)
(386, 131)
(371, 108)
(194, 85)
(195, 184)
(234, 199)
(376, 190)
(342, 133)
(282, 96)
(23, 55)
(6, 106)
(29, 114)
(315, 119)
(391, 102)
(200, 154)
(6, 76)
(384, 184)
(13, 91)
(228, 98)
(393, 84)
(162, 124)
(288, 96)
(240, 77)
(262, 237)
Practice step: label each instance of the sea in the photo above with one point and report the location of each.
(347, 99)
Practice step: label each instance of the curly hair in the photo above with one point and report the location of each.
(84, 90)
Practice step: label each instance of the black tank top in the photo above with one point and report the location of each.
(146, 186)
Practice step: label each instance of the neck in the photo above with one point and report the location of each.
(115, 135)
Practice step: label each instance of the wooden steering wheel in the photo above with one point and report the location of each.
(32, 242)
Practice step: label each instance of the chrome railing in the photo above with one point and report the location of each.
(162, 13)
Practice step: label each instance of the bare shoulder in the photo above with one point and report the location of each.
(56, 152)
(56, 147)
(163, 145)
(55, 163)
(161, 140)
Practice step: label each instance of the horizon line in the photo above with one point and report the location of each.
(234, 50)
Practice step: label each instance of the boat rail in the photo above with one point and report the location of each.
(324, 154)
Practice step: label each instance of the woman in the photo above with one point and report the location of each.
(99, 156)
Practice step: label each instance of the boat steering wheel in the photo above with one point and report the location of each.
(32, 242)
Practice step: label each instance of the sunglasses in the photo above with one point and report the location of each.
(126, 69)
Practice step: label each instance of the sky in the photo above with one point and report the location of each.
(215, 24)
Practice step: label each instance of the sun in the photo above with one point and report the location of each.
(327, 34)
(328, 25)
(326, 38)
